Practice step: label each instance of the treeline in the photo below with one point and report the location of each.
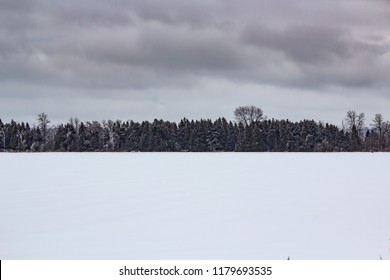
(193, 136)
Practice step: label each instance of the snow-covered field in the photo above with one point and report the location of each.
(194, 206)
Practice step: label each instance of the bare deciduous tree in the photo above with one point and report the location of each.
(378, 124)
(43, 121)
(248, 114)
(353, 119)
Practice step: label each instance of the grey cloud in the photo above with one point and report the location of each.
(143, 45)
(85, 15)
(325, 56)
(201, 13)
(186, 50)
(160, 48)
(306, 44)
(7, 48)
(16, 6)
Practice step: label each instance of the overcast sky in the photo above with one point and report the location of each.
(141, 60)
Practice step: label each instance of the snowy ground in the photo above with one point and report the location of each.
(194, 206)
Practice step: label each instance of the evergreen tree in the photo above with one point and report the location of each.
(354, 140)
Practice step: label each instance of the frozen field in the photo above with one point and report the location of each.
(194, 206)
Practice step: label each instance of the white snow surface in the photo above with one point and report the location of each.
(194, 205)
